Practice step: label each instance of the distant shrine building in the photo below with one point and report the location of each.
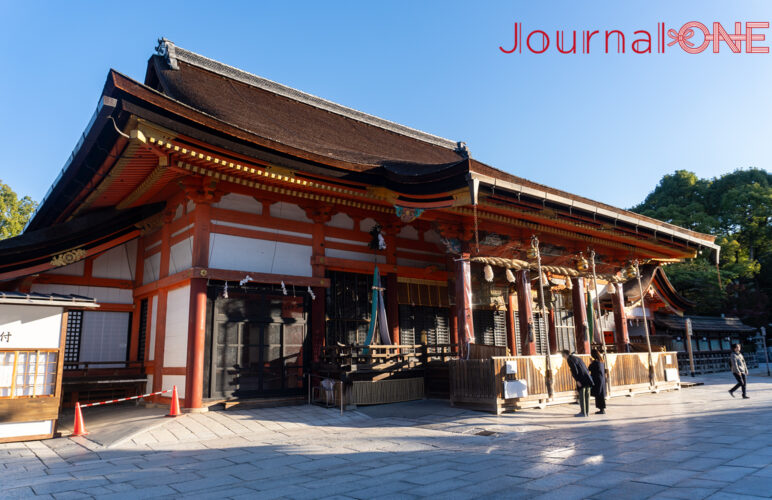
(229, 229)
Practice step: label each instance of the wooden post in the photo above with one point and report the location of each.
(525, 313)
(194, 372)
(621, 336)
(689, 345)
(511, 318)
(581, 326)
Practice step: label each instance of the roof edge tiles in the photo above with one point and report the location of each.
(173, 53)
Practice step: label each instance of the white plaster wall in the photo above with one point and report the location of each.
(153, 326)
(170, 381)
(342, 221)
(181, 256)
(346, 254)
(260, 228)
(117, 263)
(348, 242)
(432, 236)
(408, 232)
(100, 293)
(152, 268)
(240, 203)
(149, 387)
(105, 336)
(18, 429)
(75, 269)
(178, 212)
(367, 224)
(284, 210)
(238, 253)
(30, 326)
(176, 336)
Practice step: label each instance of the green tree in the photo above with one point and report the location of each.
(14, 212)
(737, 208)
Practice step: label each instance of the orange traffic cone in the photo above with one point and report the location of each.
(78, 428)
(174, 409)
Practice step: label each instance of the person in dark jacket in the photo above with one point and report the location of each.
(583, 381)
(598, 374)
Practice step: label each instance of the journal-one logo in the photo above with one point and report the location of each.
(693, 37)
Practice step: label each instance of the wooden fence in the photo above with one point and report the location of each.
(505, 383)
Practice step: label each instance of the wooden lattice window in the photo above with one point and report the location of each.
(490, 327)
(564, 323)
(72, 340)
(143, 309)
(348, 307)
(28, 374)
(415, 321)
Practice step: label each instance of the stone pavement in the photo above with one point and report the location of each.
(694, 443)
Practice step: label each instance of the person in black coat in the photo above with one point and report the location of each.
(583, 381)
(598, 374)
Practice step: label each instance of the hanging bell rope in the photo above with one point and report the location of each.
(597, 300)
(652, 378)
(535, 248)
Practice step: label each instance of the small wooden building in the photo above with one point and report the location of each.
(226, 223)
(33, 328)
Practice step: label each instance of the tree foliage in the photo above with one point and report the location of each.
(737, 208)
(14, 212)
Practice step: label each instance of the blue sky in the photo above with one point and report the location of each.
(602, 126)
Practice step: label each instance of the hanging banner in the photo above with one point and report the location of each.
(383, 324)
(464, 302)
(373, 309)
(590, 318)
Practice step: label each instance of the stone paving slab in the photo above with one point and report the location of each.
(693, 443)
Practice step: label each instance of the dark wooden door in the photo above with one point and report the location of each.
(258, 345)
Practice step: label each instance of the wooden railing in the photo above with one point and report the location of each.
(480, 383)
(712, 362)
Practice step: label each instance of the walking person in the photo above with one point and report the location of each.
(739, 370)
(583, 381)
(598, 374)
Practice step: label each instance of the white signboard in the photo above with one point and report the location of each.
(511, 367)
(30, 327)
(671, 374)
(515, 389)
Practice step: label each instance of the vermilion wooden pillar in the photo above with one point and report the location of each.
(392, 307)
(511, 318)
(525, 313)
(621, 336)
(320, 215)
(552, 330)
(194, 373)
(581, 326)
